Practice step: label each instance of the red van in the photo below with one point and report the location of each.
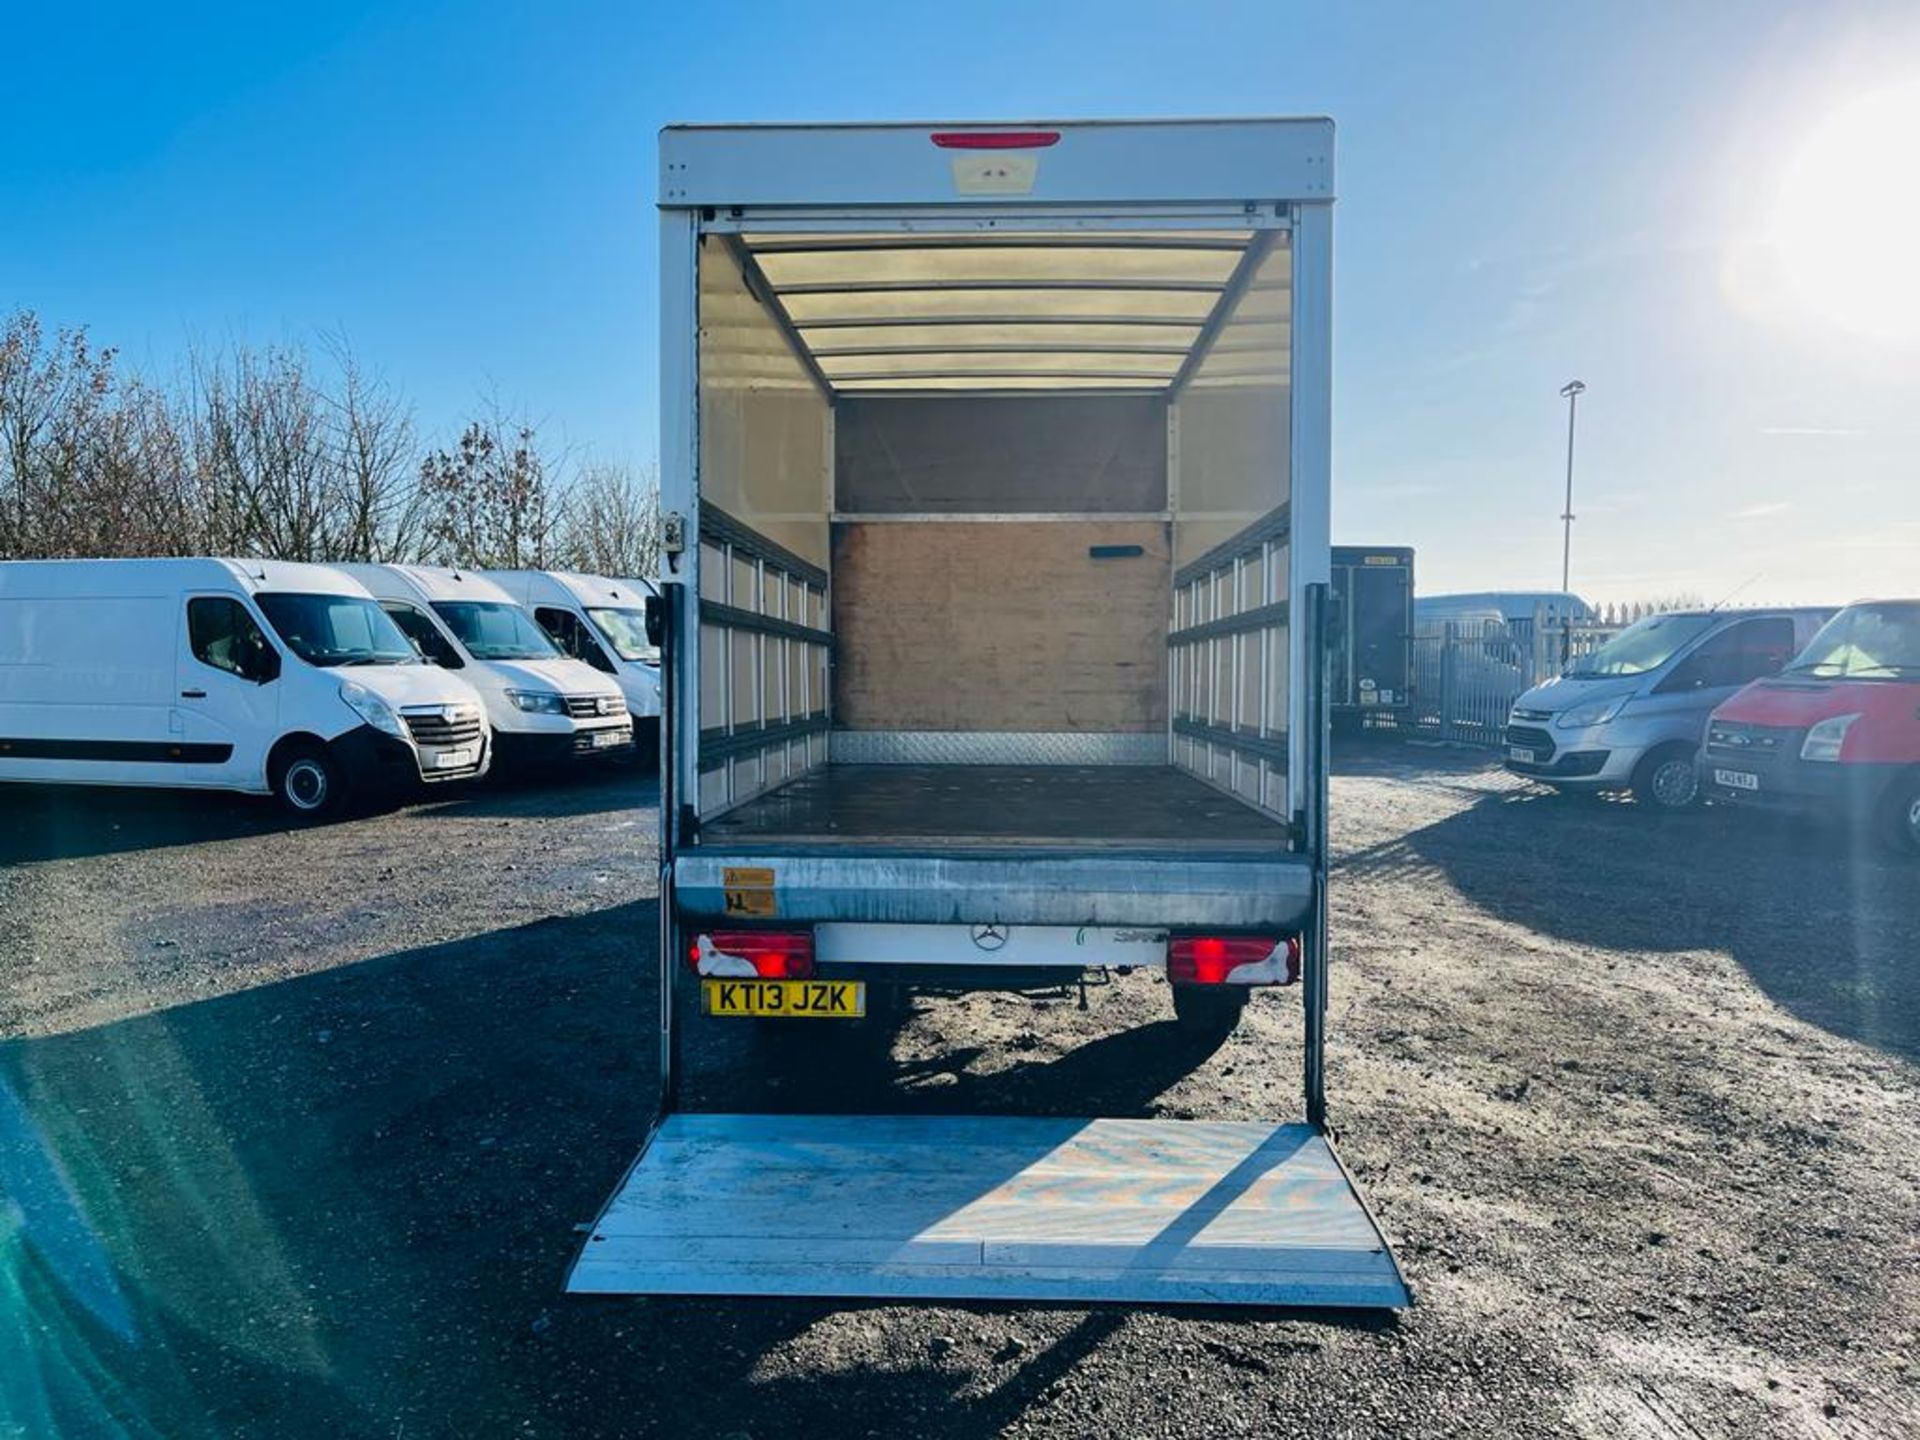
(1837, 730)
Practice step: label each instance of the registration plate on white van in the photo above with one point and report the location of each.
(606, 739)
(1737, 779)
(1521, 754)
(452, 759)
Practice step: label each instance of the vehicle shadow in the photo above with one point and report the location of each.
(587, 790)
(1123, 1074)
(1825, 922)
(65, 822)
(60, 822)
(343, 1204)
(336, 1205)
(1397, 756)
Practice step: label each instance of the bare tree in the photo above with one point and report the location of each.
(262, 453)
(489, 502)
(288, 453)
(613, 521)
(141, 497)
(379, 496)
(51, 398)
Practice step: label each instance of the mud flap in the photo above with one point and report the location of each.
(990, 1208)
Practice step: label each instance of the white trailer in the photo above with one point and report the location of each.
(996, 463)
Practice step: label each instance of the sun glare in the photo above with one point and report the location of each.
(1847, 226)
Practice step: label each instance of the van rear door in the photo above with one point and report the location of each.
(227, 714)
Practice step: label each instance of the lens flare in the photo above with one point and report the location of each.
(1846, 228)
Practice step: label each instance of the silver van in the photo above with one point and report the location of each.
(1630, 716)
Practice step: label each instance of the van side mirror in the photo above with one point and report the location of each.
(656, 620)
(263, 665)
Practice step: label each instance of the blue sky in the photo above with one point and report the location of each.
(1528, 192)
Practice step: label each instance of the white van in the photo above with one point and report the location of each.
(545, 707)
(255, 675)
(604, 623)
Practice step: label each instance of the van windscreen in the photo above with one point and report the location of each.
(1865, 642)
(1641, 648)
(626, 631)
(495, 630)
(329, 630)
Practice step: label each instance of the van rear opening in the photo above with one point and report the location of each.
(994, 537)
(994, 622)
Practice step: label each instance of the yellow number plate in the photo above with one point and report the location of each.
(800, 999)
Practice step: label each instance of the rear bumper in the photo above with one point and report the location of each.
(1155, 890)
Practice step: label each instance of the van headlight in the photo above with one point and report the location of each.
(373, 708)
(1824, 740)
(1594, 712)
(538, 702)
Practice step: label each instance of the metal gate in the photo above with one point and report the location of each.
(1468, 673)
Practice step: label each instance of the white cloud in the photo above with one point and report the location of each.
(1763, 511)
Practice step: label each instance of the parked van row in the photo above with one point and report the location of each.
(308, 682)
(1805, 708)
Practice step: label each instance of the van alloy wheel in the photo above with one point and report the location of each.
(1675, 783)
(1667, 779)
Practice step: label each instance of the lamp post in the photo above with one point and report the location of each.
(1572, 390)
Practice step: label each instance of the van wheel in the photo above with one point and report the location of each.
(645, 755)
(308, 782)
(1668, 780)
(1900, 824)
(1208, 1009)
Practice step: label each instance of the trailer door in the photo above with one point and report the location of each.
(1380, 617)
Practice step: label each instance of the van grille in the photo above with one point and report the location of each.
(588, 707)
(436, 728)
(1751, 745)
(1526, 737)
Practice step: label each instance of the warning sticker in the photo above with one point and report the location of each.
(751, 902)
(749, 890)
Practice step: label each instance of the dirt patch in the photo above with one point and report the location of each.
(302, 1122)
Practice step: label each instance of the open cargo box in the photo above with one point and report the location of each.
(1009, 497)
(999, 462)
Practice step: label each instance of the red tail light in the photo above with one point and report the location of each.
(1211, 959)
(773, 954)
(995, 139)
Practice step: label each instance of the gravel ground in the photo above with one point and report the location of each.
(296, 1126)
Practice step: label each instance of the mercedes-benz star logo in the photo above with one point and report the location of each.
(989, 937)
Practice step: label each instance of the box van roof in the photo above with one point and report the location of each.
(23, 578)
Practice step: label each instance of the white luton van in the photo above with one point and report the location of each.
(994, 615)
(254, 675)
(546, 708)
(602, 622)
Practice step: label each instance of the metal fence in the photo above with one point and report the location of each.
(1468, 673)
